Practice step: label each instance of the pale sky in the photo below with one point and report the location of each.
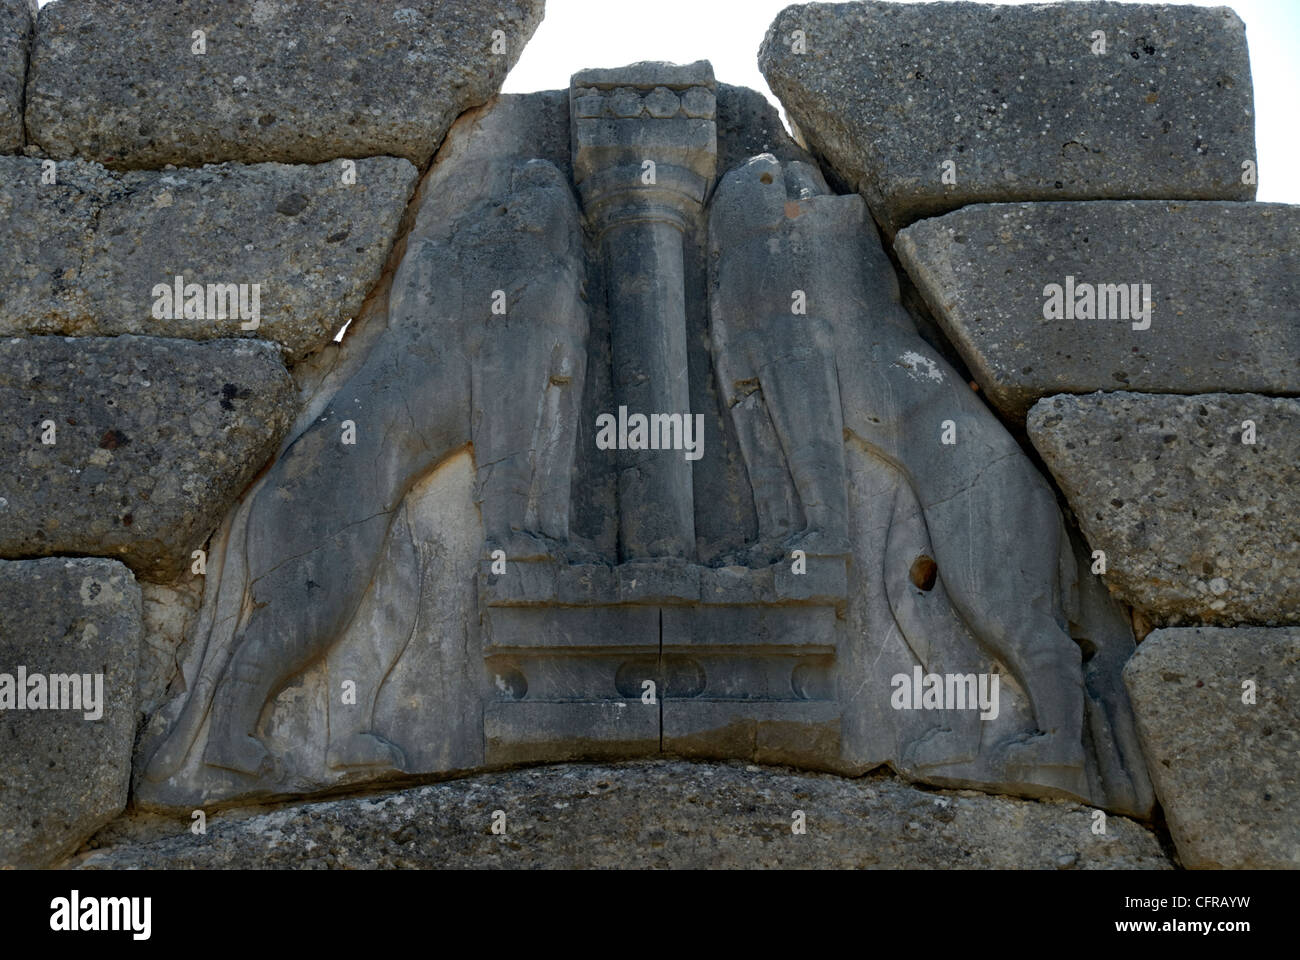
(609, 33)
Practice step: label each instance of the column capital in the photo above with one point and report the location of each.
(624, 120)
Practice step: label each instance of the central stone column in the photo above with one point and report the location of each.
(644, 142)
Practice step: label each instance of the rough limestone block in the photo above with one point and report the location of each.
(17, 22)
(1223, 281)
(296, 81)
(85, 253)
(168, 614)
(652, 814)
(748, 125)
(1015, 98)
(1197, 525)
(1219, 716)
(64, 772)
(152, 441)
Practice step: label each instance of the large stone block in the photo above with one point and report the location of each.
(1017, 100)
(1218, 712)
(1198, 524)
(85, 253)
(1222, 280)
(132, 447)
(295, 81)
(17, 20)
(660, 814)
(460, 561)
(69, 639)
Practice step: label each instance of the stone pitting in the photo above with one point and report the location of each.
(1197, 525)
(17, 26)
(87, 252)
(1219, 715)
(781, 641)
(65, 617)
(653, 814)
(1015, 99)
(613, 433)
(291, 81)
(1223, 281)
(149, 442)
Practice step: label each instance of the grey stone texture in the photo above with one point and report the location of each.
(86, 252)
(17, 27)
(797, 385)
(887, 93)
(370, 566)
(748, 125)
(152, 441)
(352, 520)
(169, 612)
(621, 120)
(62, 775)
(424, 585)
(647, 815)
(1218, 711)
(1224, 288)
(741, 662)
(293, 81)
(1198, 527)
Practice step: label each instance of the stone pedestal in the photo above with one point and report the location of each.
(650, 657)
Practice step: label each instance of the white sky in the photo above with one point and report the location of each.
(608, 33)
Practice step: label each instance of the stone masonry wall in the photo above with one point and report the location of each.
(1092, 154)
(220, 218)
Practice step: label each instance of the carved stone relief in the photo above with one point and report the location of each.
(699, 488)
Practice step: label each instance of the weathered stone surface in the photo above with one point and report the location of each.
(411, 649)
(1224, 288)
(849, 391)
(748, 125)
(85, 253)
(17, 22)
(887, 93)
(168, 613)
(294, 81)
(449, 397)
(464, 449)
(1227, 771)
(665, 814)
(62, 775)
(152, 440)
(1197, 526)
(619, 118)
